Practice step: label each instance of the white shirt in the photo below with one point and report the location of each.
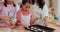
(38, 12)
(45, 11)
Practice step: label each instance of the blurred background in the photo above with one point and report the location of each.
(50, 3)
(54, 4)
(54, 8)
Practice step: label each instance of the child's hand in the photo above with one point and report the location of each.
(36, 18)
(3, 25)
(5, 18)
(45, 24)
(24, 25)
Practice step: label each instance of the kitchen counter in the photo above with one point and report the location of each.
(17, 30)
(55, 25)
(13, 30)
(20, 30)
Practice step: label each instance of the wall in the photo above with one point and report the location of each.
(55, 5)
(47, 2)
(17, 2)
(59, 9)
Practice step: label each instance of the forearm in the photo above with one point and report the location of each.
(0, 16)
(32, 22)
(5, 18)
(18, 23)
(45, 20)
(21, 24)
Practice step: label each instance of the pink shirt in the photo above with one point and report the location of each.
(24, 13)
(4, 10)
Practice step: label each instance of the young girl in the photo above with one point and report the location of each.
(24, 17)
(39, 9)
(52, 16)
(7, 11)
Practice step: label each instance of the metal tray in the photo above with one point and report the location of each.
(42, 28)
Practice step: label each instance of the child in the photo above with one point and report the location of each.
(24, 17)
(7, 9)
(40, 9)
(52, 15)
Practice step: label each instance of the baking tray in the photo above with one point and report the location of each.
(42, 28)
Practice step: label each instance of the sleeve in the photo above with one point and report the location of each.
(15, 14)
(45, 11)
(0, 8)
(18, 15)
(31, 20)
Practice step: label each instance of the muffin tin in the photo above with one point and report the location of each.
(32, 28)
(40, 28)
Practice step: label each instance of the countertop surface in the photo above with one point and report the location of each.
(49, 25)
(55, 25)
(23, 30)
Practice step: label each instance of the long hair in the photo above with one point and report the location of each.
(25, 1)
(33, 1)
(5, 3)
(40, 3)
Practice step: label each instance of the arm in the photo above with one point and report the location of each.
(0, 9)
(18, 16)
(32, 20)
(45, 20)
(1, 6)
(12, 22)
(45, 15)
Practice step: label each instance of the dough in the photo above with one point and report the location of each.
(32, 27)
(35, 28)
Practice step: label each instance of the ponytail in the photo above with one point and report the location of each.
(5, 4)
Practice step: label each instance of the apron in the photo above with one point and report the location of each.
(25, 19)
